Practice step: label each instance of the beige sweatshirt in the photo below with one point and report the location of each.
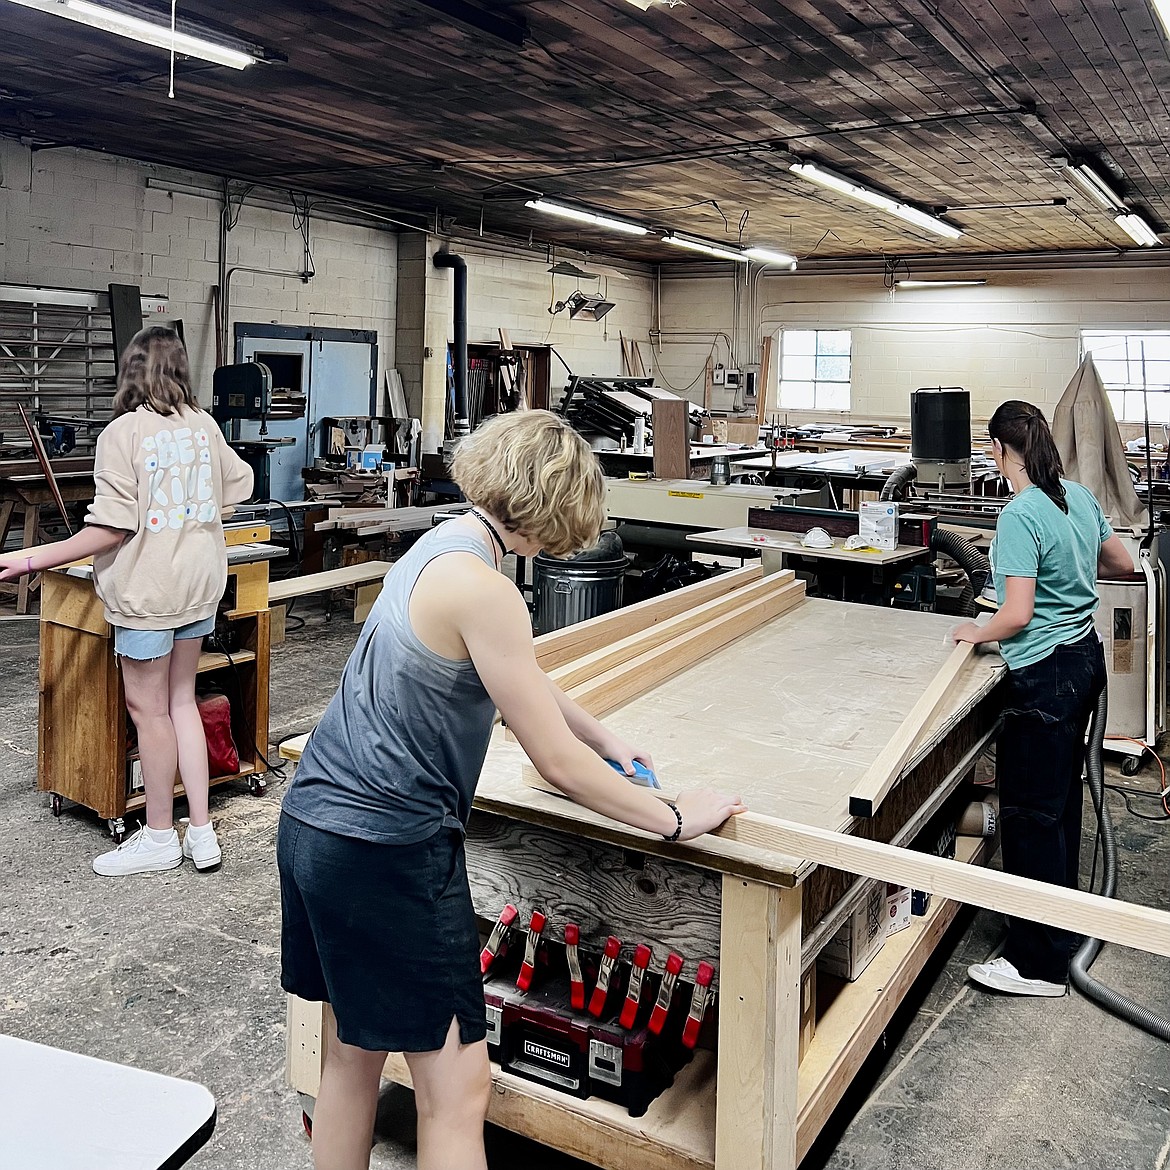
(165, 479)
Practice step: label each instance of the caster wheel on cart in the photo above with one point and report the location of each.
(117, 829)
(308, 1104)
(55, 803)
(257, 785)
(1132, 765)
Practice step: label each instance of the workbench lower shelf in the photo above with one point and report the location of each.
(678, 1131)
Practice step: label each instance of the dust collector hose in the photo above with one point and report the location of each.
(969, 559)
(1109, 999)
(900, 478)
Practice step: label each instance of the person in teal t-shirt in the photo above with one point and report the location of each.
(1051, 544)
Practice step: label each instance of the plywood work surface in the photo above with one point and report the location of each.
(790, 716)
(793, 714)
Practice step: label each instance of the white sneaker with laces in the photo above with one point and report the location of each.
(202, 846)
(1000, 975)
(140, 853)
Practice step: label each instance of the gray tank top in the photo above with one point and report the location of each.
(398, 752)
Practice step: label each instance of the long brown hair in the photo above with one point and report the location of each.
(154, 372)
(1023, 427)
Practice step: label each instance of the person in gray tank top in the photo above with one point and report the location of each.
(376, 910)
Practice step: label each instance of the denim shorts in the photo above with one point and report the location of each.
(145, 645)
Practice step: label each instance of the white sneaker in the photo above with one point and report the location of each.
(1000, 975)
(139, 853)
(202, 847)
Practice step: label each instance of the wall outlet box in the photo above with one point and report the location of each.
(878, 524)
(897, 909)
(854, 946)
(718, 375)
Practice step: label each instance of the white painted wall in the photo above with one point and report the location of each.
(79, 220)
(1016, 336)
(514, 291)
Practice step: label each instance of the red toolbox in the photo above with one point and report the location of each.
(538, 1036)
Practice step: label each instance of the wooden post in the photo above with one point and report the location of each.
(672, 440)
(765, 378)
(759, 1027)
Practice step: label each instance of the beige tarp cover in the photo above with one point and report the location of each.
(1090, 447)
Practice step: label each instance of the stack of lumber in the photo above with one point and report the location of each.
(605, 662)
(378, 521)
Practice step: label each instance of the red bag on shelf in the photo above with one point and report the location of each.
(216, 713)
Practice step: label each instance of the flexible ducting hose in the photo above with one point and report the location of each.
(969, 559)
(900, 478)
(1110, 1000)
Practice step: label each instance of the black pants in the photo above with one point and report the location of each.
(1039, 760)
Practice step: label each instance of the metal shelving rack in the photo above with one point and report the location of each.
(56, 356)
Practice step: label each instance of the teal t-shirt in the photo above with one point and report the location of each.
(1034, 538)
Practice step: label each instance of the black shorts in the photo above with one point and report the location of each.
(385, 934)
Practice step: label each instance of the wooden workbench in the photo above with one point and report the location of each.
(24, 491)
(790, 715)
(82, 722)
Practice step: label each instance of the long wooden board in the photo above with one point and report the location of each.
(1126, 923)
(884, 772)
(615, 687)
(590, 665)
(560, 646)
(358, 574)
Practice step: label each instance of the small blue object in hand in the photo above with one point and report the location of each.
(642, 775)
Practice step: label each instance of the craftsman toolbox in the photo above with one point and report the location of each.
(538, 1036)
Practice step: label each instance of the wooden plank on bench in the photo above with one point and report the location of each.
(358, 574)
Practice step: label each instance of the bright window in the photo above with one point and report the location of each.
(814, 369)
(1133, 366)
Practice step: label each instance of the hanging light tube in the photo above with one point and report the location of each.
(707, 249)
(1095, 187)
(770, 256)
(1137, 229)
(940, 283)
(146, 32)
(581, 215)
(817, 174)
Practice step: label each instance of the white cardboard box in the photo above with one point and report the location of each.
(897, 909)
(854, 946)
(878, 524)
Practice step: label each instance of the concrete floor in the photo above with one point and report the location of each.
(179, 973)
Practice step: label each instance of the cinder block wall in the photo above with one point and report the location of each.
(1016, 336)
(79, 220)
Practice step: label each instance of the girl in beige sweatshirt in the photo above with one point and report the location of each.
(163, 473)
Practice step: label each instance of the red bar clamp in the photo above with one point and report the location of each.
(491, 949)
(634, 993)
(613, 947)
(665, 993)
(573, 958)
(528, 967)
(700, 998)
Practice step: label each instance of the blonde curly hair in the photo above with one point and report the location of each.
(537, 476)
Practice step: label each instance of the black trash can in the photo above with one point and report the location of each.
(569, 591)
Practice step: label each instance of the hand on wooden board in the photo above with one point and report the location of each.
(703, 809)
(969, 632)
(13, 565)
(615, 748)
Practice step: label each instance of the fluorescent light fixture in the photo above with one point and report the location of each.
(1137, 229)
(591, 217)
(644, 5)
(817, 174)
(939, 283)
(706, 248)
(770, 256)
(582, 305)
(146, 32)
(1095, 187)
